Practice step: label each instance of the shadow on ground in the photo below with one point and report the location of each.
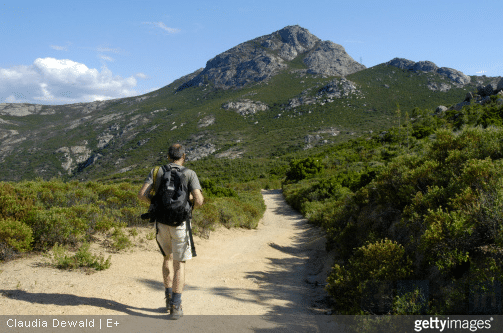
(73, 300)
(298, 279)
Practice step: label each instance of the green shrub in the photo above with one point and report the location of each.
(56, 226)
(120, 240)
(229, 213)
(60, 257)
(106, 220)
(39, 214)
(210, 189)
(445, 241)
(236, 213)
(133, 232)
(131, 216)
(327, 188)
(411, 303)
(245, 210)
(16, 234)
(82, 258)
(15, 203)
(304, 168)
(205, 218)
(384, 260)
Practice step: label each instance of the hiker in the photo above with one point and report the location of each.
(174, 242)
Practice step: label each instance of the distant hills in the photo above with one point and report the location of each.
(273, 95)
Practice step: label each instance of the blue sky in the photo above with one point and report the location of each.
(61, 52)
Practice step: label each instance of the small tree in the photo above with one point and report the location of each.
(303, 168)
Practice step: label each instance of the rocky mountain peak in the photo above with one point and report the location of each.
(428, 66)
(289, 41)
(263, 57)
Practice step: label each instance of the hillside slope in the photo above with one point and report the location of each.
(280, 93)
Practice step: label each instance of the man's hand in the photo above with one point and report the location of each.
(144, 194)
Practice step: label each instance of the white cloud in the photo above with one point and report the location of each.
(141, 75)
(108, 49)
(59, 48)
(62, 81)
(162, 26)
(106, 58)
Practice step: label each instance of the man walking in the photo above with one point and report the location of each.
(174, 242)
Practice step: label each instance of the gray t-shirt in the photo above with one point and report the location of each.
(190, 177)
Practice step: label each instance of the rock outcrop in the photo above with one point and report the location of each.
(200, 151)
(19, 109)
(482, 97)
(428, 66)
(499, 86)
(331, 59)
(71, 157)
(206, 121)
(492, 88)
(245, 107)
(261, 58)
(336, 89)
(488, 90)
(443, 87)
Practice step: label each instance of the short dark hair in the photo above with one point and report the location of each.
(176, 152)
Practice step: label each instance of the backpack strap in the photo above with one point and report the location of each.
(154, 178)
(189, 229)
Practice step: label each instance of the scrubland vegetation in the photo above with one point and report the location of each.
(416, 211)
(44, 215)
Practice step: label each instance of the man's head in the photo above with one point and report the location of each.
(176, 152)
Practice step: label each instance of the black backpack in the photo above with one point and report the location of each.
(170, 204)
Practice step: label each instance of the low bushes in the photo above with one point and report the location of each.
(433, 215)
(82, 258)
(242, 207)
(44, 213)
(16, 234)
(37, 215)
(384, 260)
(304, 168)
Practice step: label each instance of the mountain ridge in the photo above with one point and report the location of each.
(428, 66)
(263, 115)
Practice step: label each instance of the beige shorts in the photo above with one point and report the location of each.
(174, 240)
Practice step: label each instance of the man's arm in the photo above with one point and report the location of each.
(143, 195)
(196, 196)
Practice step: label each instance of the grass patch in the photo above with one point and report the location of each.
(83, 258)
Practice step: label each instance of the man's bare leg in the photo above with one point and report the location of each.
(167, 275)
(167, 271)
(179, 276)
(173, 272)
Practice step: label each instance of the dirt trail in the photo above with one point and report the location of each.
(279, 268)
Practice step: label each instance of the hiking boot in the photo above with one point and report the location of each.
(176, 311)
(168, 305)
